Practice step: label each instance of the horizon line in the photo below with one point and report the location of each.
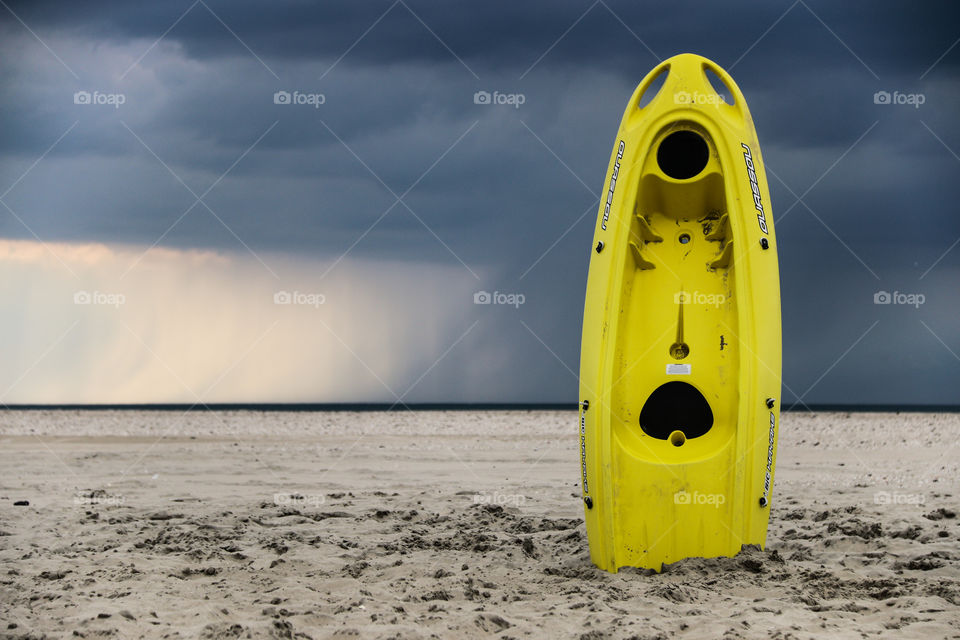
(429, 406)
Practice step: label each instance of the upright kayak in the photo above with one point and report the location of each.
(681, 351)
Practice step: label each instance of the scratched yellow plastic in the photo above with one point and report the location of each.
(654, 502)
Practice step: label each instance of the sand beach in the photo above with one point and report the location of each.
(448, 524)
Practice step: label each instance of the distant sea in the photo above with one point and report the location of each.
(564, 406)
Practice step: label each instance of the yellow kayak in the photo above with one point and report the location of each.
(680, 359)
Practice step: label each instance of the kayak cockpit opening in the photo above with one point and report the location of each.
(676, 411)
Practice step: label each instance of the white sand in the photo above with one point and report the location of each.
(448, 524)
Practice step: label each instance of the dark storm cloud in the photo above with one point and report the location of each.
(501, 197)
(516, 34)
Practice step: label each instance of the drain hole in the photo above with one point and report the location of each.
(679, 350)
(677, 438)
(683, 154)
(676, 403)
(684, 238)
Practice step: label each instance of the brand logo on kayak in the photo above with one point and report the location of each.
(752, 173)
(512, 99)
(770, 447)
(583, 450)
(697, 498)
(497, 297)
(913, 99)
(897, 297)
(613, 185)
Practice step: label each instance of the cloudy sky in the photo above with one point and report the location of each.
(167, 169)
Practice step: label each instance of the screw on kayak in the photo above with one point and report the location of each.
(600, 246)
(587, 500)
(770, 403)
(585, 404)
(763, 501)
(764, 244)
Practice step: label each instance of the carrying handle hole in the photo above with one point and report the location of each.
(719, 86)
(653, 88)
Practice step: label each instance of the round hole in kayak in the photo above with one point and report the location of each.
(683, 154)
(684, 238)
(677, 438)
(679, 350)
(676, 403)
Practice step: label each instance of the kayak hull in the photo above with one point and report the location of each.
(681, 350)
